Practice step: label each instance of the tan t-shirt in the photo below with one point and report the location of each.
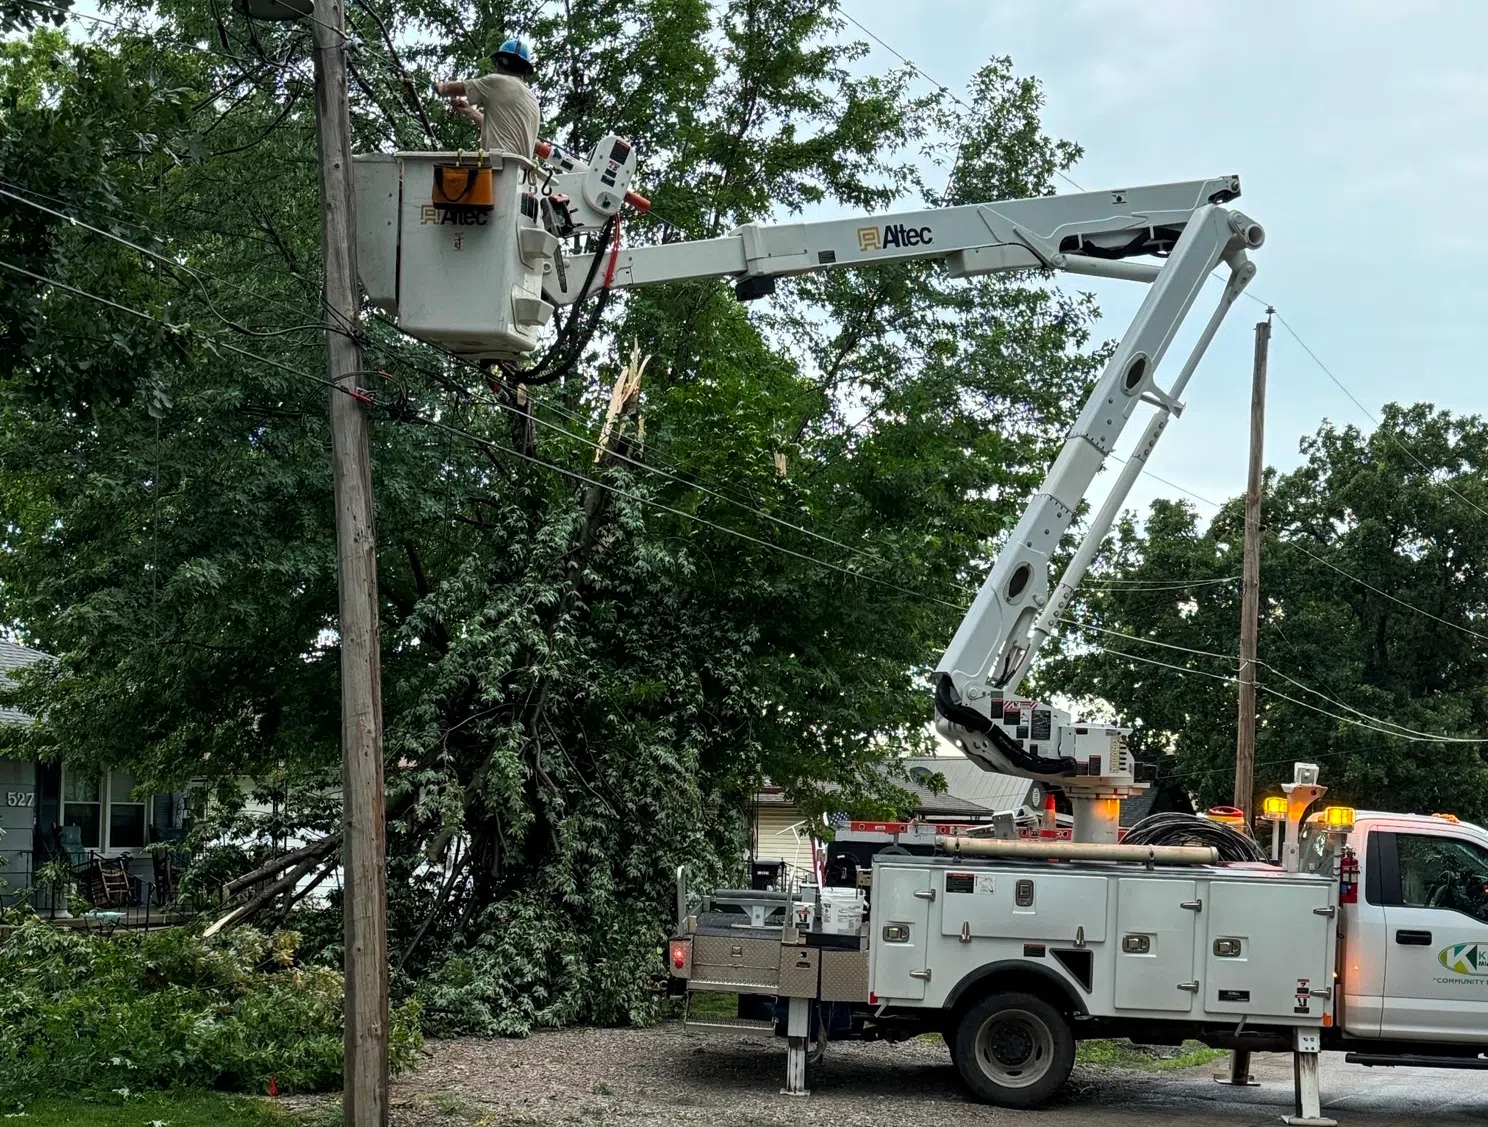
(511, 114)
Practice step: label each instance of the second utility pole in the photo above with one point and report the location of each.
(364, 902)
(1250, 611)
(1250, 583)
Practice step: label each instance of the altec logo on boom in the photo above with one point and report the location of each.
(894, 235)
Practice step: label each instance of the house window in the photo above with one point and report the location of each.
(82, 806)
(126, 817)
(105, 810)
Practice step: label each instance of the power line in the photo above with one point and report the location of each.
(639, 499)
(941, 86)
(1400, 729)
(1346, 574)
(45, 280)
(1406, 734)
(71, 14)
(492, 402)
(1379, 429)
(1141, 587)
(1385, 594)
(1430, 738)
(581, 478)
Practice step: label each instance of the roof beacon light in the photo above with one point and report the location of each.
(1337, 818)
(1448, 818)
(1274, 808)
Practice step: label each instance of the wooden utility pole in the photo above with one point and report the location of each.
(1250, 610)
(365, 899)
(1250, 594)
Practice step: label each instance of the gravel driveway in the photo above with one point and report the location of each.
(631, 1077)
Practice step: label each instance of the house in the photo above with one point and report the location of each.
(111, 821)
(782, 833)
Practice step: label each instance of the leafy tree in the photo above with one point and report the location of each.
(1372, 626)
(592, 658)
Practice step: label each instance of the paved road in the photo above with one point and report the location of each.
(635, 1077)
(1353, 1095)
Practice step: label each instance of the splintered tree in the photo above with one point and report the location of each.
(593, 649)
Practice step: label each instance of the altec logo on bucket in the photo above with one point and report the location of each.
(1466, 958)
(894, 235)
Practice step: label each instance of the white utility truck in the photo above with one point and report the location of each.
(1013, 948)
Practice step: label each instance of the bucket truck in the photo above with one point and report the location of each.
(1367, 933)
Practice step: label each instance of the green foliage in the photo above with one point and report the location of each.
(582, 688)
(81, 1013)
(149, 1109)
(1147, 1058)
(1366, 525)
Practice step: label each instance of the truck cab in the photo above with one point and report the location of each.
(1414, 943)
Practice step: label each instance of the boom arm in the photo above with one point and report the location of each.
(978, 678)
(482, 278)
(1091, 233)
(1085, 233)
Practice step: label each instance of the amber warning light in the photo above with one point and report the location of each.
(1339, 817)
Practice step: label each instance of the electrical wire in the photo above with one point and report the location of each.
(1385, 594)
(590, 481)
(491, 402)
(55, 283)
(1141, 586)
(1375, 726)
(1396, 729)
(172, 264)
(584, 479)
(1370, 416)
(941, 86)
(488, 444)
(1326, 563)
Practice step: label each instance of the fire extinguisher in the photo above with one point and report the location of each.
(1348, 877)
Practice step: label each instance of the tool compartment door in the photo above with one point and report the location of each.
(1155, 944)
(901, 932)
(1267, 946)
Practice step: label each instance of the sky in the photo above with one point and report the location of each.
(1359, 131)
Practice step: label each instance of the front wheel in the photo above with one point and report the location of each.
(1013, 1050)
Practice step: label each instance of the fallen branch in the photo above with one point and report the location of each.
(317, 849)
(263, 899)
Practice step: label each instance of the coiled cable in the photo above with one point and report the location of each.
(1188, 829)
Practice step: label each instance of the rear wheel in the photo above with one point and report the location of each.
(1013, 1050)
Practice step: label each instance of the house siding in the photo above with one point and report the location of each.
(775, 841)
(17, 818)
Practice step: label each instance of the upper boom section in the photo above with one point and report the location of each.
(467, 251)
(1084, 233)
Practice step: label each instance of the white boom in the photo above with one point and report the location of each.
(483, 280)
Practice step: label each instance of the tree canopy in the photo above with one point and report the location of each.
(594, 648)
(1373, 639)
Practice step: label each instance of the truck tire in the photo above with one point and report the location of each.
(1013, 1050)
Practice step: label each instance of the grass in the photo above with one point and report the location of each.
(1148, 1058)
(146, 1109)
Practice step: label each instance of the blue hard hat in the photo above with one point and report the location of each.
(516, 54)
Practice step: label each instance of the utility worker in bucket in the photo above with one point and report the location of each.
(500, 102)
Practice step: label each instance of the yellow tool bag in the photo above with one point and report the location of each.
(465, 187)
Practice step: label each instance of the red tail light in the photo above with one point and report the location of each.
(678, 951)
